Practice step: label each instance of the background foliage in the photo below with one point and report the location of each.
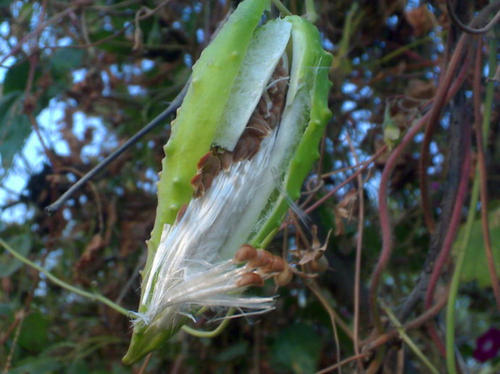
(80, 77)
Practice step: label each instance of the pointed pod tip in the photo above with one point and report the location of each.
(145, 341)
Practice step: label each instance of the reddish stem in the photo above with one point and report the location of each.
(454, 223)
(481, 162)
(382, 196)
(438, 105)
(363, 166)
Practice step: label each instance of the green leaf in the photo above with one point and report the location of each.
(8, 264)
(392, 133)
(15, 127)
(114, 44)
(25, 13)
(78, 367)
(297, 349)
(33, 336)
(475, 265)
(6, 310)
(16, 78)
(234, 351)
(38, 365)
(66, 59)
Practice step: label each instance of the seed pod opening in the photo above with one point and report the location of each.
(244, 139)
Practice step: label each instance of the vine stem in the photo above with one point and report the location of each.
(430, 313)
(404, 336)
(212, 333)
(359, 249)
(483, 176)
(89, 295)
(461, 250)
(361, 167)
(382, 196)
(455, 281)
(460, 49)
(159, 119)
(283, 9)
(434, 115)
(453, 226)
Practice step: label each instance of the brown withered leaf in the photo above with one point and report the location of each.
(317, 249)
(420, 89)
(421, 20)
(88, 256)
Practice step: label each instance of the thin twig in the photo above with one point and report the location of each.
(437, 106)
(63, 284)
(331, 313)
(283, 9)
(343, 362)
(454, 223)
(462, 248)
(104, 163)
(451, 66)
(413, 324)
(145, 363)
(37, 31)
(384, 216)
(408, 341)
(8, 361)
(447, 205)
(448, 241)
(346, 181)
(359, 248)
(471, 30)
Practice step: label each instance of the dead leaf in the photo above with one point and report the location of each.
(421, 20)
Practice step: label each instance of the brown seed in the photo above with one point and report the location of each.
(250, 279)
(258, 127)
(204, 159)
(181, 212)
(278, 264)
(211, 164)
(319, 265)
(197, 183)
(246, 148)
(207, 180)
(245, 253)
(263, 259)
(226, 159)
(283, 278)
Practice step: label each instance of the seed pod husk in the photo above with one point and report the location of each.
(243, 141)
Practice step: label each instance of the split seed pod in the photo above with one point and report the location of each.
(243, 141)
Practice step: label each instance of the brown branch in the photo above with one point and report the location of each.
(464, 40)
(454, 222)
(468, 29)
(35, 33)
(437, 107)
(343, 362)
(413, 324)
(349, 179)
(383, 208)
(359, 248)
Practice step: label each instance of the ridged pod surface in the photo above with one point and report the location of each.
(312, 76)
(197, 119)
(195, 131)
(192, 135)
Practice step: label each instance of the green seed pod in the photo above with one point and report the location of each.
(243, 141)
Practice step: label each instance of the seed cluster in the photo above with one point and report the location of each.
(261, 265)
(265, 118)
